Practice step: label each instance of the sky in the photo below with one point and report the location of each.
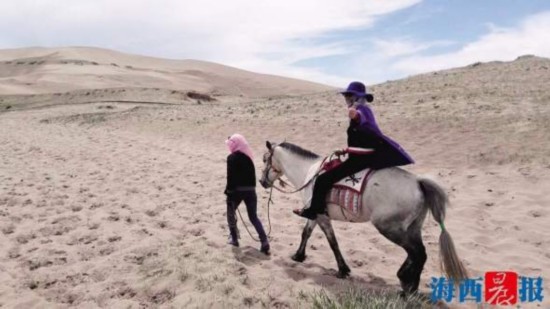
(326, 41)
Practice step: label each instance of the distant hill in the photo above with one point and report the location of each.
(526, 77)
(497, 111)
(29, 71)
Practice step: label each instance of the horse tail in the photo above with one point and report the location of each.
(436, 200)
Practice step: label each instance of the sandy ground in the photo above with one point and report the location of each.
(121, 205)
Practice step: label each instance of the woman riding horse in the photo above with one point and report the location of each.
(363, 132)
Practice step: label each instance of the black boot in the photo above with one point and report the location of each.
(307, 213)
(265, 248)
(233, 237)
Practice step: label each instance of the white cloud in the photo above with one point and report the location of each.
(237, 32)
(402, 47)
(530, 37)
(263, 36)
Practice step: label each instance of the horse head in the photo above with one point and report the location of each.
(272, 168)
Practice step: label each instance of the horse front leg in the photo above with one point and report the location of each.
(326, 226)
(300, 255)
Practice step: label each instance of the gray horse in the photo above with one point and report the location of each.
(394, 200)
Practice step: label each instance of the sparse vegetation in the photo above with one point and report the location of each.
(355, 298)
(200, 96)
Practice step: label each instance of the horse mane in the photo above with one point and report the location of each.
(299, 150)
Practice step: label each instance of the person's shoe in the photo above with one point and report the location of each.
(265, 248)
(306, 213)
(232, 241)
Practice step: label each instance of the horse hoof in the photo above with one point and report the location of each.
(343, 273)
(299, 257)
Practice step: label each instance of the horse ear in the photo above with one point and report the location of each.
(268, 145)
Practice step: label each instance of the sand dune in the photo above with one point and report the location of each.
(49, 70)
(115, 204)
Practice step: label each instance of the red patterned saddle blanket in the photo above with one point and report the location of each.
(347, 192)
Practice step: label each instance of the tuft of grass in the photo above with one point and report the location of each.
(354, 298)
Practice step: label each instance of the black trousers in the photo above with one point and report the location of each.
(325, 181)
(250, 200)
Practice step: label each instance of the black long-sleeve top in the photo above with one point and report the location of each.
(241, 174)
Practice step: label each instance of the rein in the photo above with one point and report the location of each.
(283, 183)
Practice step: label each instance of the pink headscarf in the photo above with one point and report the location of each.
(237, 142)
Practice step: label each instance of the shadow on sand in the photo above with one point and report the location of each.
(249, 255)
(327, 280)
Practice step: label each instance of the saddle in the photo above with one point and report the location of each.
(347, 192)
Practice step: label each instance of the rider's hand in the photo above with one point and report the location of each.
(340, 152)
(352, 113)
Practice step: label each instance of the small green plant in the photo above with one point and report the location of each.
(354, 298)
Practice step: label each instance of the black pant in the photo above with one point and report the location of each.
(250, 200)
(325, 181)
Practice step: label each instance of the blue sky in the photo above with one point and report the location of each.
(327, 41)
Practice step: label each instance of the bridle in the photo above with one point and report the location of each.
(269, 166)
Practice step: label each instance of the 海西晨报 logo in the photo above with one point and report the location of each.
(495, 288)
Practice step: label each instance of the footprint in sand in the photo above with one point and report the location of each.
(536, 213)
(25, 238)
(358, 263)
(107, 250)
(86, 240)
(8, 229)
(14, 252)
(34, 264)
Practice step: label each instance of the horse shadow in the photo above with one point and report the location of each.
(326, 279)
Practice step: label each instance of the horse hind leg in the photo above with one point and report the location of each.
(410, 240)
(409, 274)
(300, 254)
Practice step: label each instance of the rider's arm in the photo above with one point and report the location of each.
(360, 118)
(365, 115)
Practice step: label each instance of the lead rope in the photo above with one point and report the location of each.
(269, 201)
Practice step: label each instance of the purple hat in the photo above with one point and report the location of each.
(358, 89)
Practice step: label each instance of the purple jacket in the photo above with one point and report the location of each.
(387, 151)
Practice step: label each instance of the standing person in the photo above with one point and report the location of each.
(241, 186)
(379, 151)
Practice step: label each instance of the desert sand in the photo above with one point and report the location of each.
(112, 178)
